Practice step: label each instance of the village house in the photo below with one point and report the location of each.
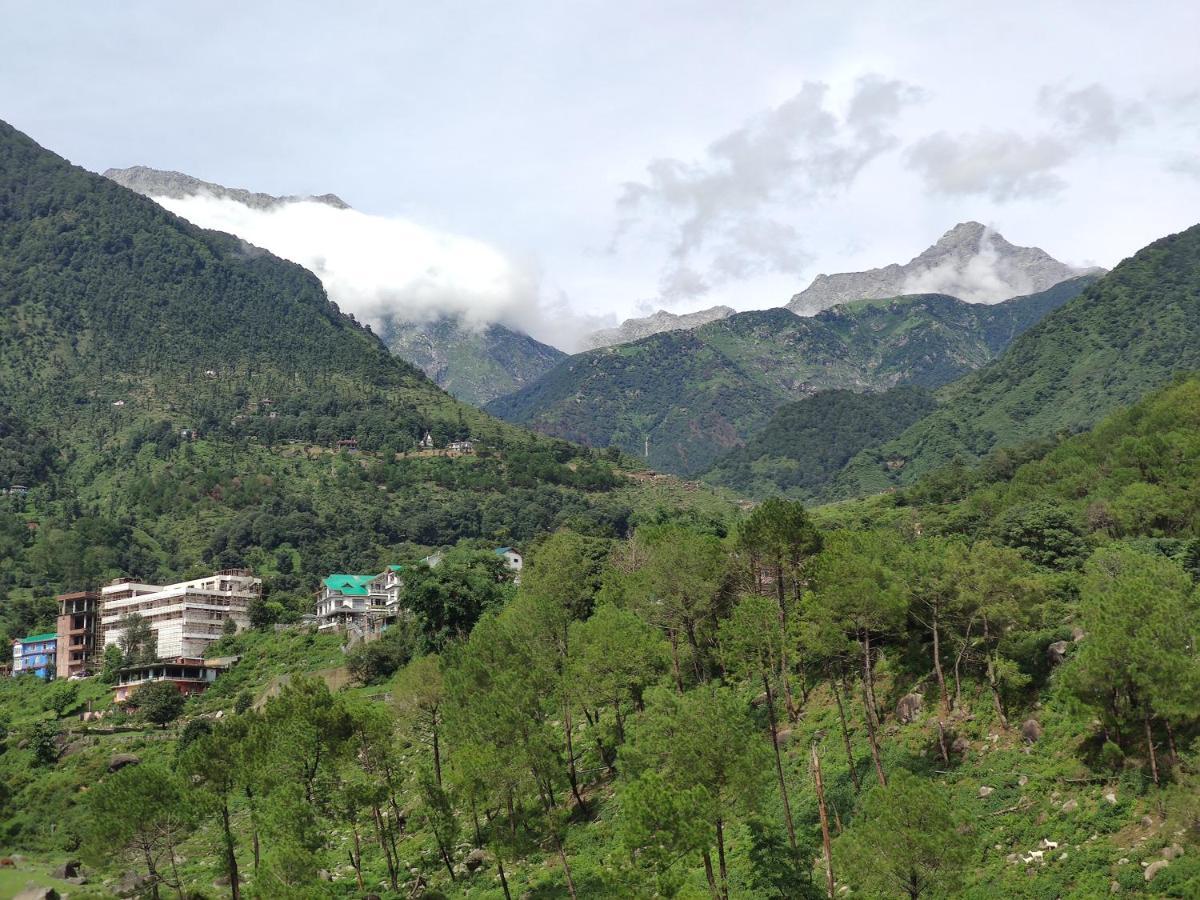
(78, 624)
(35, 655)
(346, 600)
(461, 446)
(189, 675)
(185, 617)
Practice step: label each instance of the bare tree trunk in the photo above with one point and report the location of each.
(721, 859)
(231, 866)
(503, 879)
(942, 743)
(1150, 747)
(783, 794)
(837, 695)
(937, 662)
(392, 862)
(995, 686)
(1171, 744)
(675, 659)
(819, 785)
(869, 679)
(572, 772)
(356, 857)
(437, 756)
(708, 873)
(874, 744)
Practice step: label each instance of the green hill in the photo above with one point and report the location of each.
(1123, 336)
(806, 444)
(694, 395)
(176, 399)
(475, 365)
(995, 669)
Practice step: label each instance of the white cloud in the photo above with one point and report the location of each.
(1002, 165)
(378, 267)
(724, 212)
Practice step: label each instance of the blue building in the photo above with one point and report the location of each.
(36, 655)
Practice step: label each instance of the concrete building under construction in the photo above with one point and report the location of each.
(78, 627)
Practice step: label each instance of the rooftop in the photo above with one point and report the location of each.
(39, 638)
(351, 585)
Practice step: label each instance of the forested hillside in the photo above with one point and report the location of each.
(996, 671)
(806, 444)
(1123, 336)
(694, 395)
(175, 400)
(474, 364)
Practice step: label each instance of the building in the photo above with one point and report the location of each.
(512, 559)
(35, 655)
(352, 600)
(185, 617)
(426, 443)
(189, 675)
(461, 447)
(78, 625)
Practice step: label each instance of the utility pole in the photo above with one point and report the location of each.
(820, 788)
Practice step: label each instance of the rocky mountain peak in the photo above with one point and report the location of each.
(971, 261)
(655, 323)
(177, 185)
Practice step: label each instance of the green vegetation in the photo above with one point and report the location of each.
(806, 444)
(475, 365)
(1124, 336)
(642, 716)
(697, 394)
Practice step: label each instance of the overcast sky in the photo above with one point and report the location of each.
(619, 157)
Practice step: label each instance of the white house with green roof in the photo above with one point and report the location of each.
(346, 600)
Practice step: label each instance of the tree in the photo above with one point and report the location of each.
(143, 812)
(703, 739)
(1045, 532)
(138, 641)
(752, 647)
(903, 841)
(210, 760)
(60, 696)
(159, 702)
(418, 697)
(933, 569)
(450, 597)
(114, 659)
(779, 540)
(1140, 662)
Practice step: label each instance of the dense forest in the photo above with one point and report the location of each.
(985, 683)
(696, 394)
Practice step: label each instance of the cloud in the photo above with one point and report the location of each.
(1009, 165)
(723, 212)
(380, 268)
(1091, 113)
(1003, 165)
(978, 277)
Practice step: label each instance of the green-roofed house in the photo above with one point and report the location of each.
(362, 603)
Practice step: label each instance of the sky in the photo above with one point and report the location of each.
(561, 166)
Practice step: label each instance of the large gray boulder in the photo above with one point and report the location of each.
(909, 707)
(1056, 653)
(1031, 730)
(37, 892)
(121, 760)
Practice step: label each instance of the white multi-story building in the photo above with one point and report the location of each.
(348, 599)
(185, 617)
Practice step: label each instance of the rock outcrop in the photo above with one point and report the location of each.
(177, 185)
(970, 262)
(656, 323)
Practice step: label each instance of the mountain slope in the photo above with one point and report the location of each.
(636, 329)
(475, 365)
(806, 443)
(970, 261)
(695, 394)
(1125, 335)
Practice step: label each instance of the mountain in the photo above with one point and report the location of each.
(681, 399)
(656, 323)
(177, 400)
(176, 185)
(970, 261)
(1125, 335)
(807, 443)
(475, 364)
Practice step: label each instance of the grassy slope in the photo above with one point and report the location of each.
(698, 393)
(1122, 337)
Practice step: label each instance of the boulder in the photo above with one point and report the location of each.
(1114, 887)
(1110, 797)
(1070, 806)
(1154, 868)
(1031, 730)
(69, 869)
(960, 745)
(1022, 781)
(985, 791)
(37, 892)
(121, 760)
(909, 707)
(1056, 653)
(130, 884)
(78, 880)
(1173, 852)
(1078, 634)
